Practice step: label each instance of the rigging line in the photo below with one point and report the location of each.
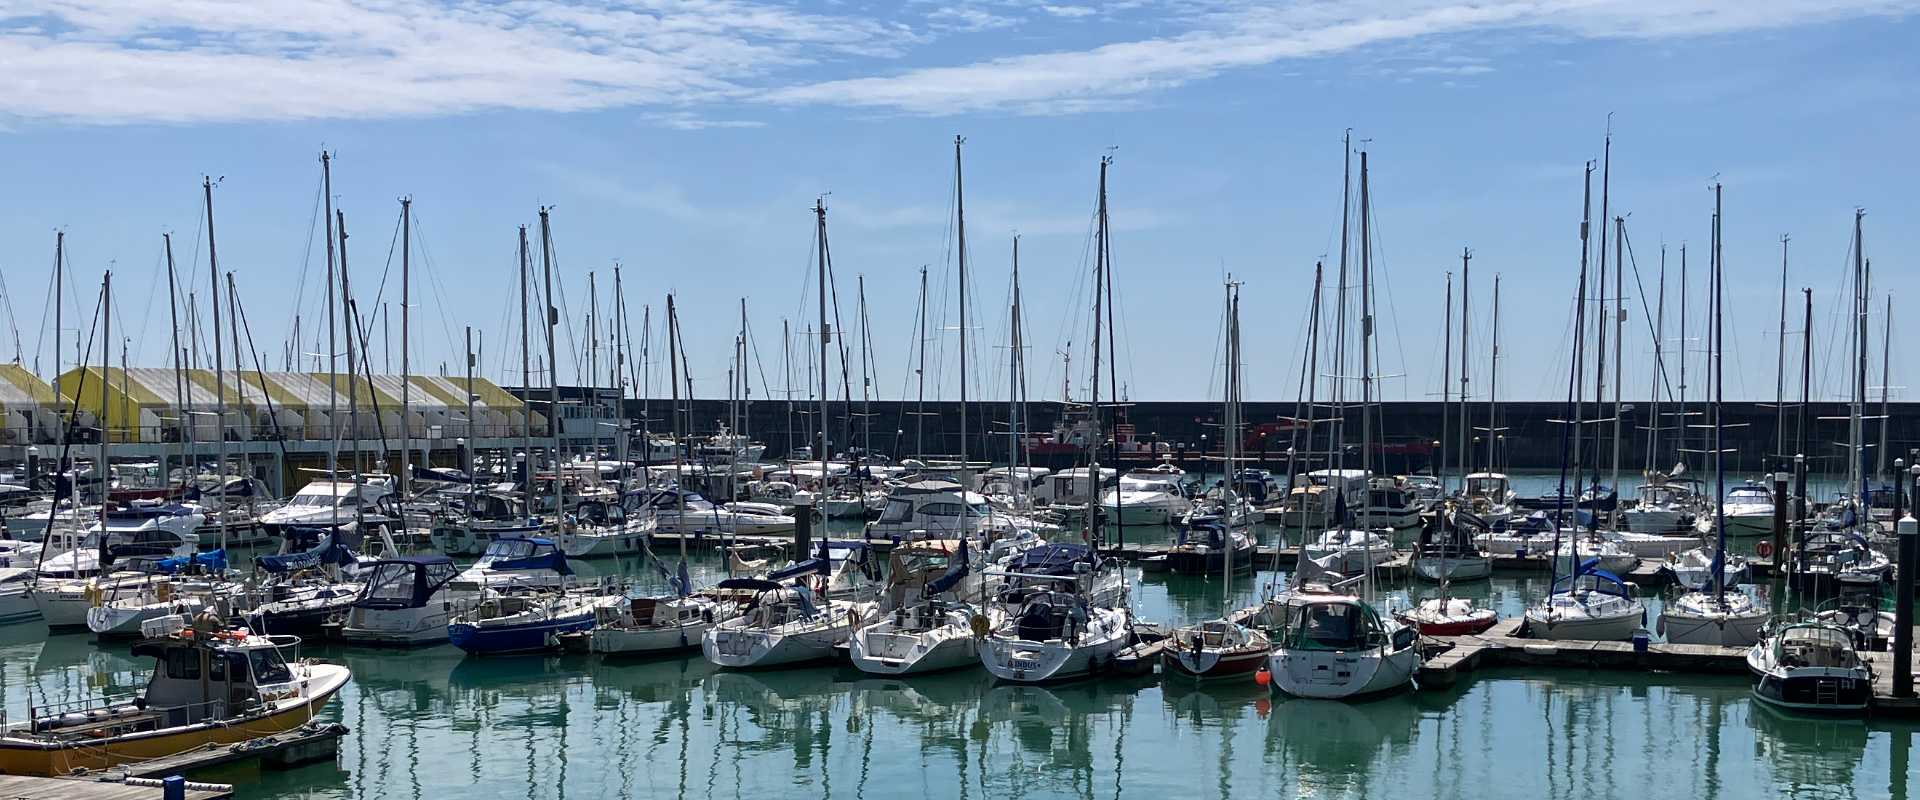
(435, 284)
(146, 315)
(273, 418)
(306, 251)
(13, 322)
(1646, 313)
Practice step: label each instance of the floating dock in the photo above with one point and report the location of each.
(21, 787)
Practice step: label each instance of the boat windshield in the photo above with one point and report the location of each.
(1486, 487)
(1749, 494)
(269, 667)
(1330, 626)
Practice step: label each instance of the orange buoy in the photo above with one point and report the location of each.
(1263, 677)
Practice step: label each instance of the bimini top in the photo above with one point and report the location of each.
(1051, 559)
(520, 553)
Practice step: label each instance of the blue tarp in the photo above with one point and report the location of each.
(330, 551)
(211, 561)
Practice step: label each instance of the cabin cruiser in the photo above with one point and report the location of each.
(1811, 666)
(1827, 561)
(1220, 505)
(784, 624)
(1313, 506)
(727, 447)
(1349, 550)
(209, 687)
(1146, 497)
(327, 501)
(941, 509)
(232, 505)
(1074, 487)
(686, 511)
(518, 620)
(1332, 645)
(406, 600)
(1011, 487)
(598, 529)
(1490, 496)
(515, 563)
(1426, 490)
(1590, 605)
(928, 607)
(1664, 505)
(143, 529)
(474, 522)
(1388, 506)
(1748, 510)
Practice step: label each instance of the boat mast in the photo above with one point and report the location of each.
(1093, 406)
(553, 369)
(1719, 395)
(673, 411)
(1780, 366)
(1619, 314)
(1337, 435)
(1806, 382)
(180, 383)
(920, 375)
(1681, 429)
(1466, 327)
(405, 479)
(1601, 309)
(866, 372)
(1570, 436)
(1652, 461)
(59, 292)
(526, 382)
(219, 382)
(1493, 383)
(1229, 444)
(1366, 367)
(1857, 469)
(333, 357)
(826, 340)
(960, 225)
(102, 469)
(1016, 385)
(353, 400)
(1886, 386)
(1446, 385)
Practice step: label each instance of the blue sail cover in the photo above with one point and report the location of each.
(330, 551)
(957, 568)
(1051, 559)
(211, 561)
(1604, 581)
(532, 554)
(819, 565)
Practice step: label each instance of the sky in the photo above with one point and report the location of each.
(687, 141)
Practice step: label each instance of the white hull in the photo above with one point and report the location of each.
(1722, 630)
(603, 544)
(17, 608)
(642, 641)
(1453, 569)
(123, 621)
(922, 652)
(1023, 661)
(1337, 674)
(736, 646)
(398, 626)
(1654, 520)
(1563, 627)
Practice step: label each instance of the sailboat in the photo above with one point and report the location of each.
(1588, 603)
(1446, 551)
(660, 624)
(932, 592)
(1223, 541)
(784, 624)
(1328, 642)
(1714, 615)
(1221, 647)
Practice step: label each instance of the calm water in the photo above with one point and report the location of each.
(433, 724)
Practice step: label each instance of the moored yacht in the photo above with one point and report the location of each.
(1331, 645)
(1589, 605)
(1812, 667)
(406, 601)
(1146, 497)
(928, 607)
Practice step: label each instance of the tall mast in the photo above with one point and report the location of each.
(353, 399)
(1446, 385)
(920, 374)
(1493, 383)
(1466, 327)
(866, 376)
(1681, 429)
(673, 386)
(59, 290)
(553, 366)
(1659, 368)
(219, 382)
(179, 371)
(1093, 406)
(1230, 437)
(1857, 469)
(826, 335)
(406, 347)
(1572, 431)
(1719, 395)
(1619, 315)
(1016, 388)
(526, 381)
(1366, 347)
(960, 225)
(1886, 387)
(593, 366)
(333, 349)
(1600, 287)
(1806, 382)
(102, 469)
(1337, 435)
(1780, 366)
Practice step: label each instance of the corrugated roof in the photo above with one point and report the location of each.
(21, 389)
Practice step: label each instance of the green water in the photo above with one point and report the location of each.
(434, 724)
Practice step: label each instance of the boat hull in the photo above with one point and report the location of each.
(1814, 691)
(1583, 629)
(1340, 675)
(397, 627)
(647, 641)
(1436, 569)
(1721, 630)
(951, 652)
(526, 637)
(1019, 661)
(1212, 664)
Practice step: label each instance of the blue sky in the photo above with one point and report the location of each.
(688, 140)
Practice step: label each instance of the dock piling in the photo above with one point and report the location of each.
(1909, 536)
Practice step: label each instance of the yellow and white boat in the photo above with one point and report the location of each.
(209, 686)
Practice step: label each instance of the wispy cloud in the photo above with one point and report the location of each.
(110, 61)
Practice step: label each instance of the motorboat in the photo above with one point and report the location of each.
(600, 529)
(1664, 505)
(1389, 506)
(515, 563)
(1145, 497)
(1348, 550)
(1426, 490)
(1596, 546)
(232, 505)
(475, 521)
(1748, 510)
(1490, 496)
(1312, 506)
(329, 501)
(1592, 605)
(1220, 506)
(1811, 667)
(1829, 561)
(523, 620)
(1335, 646)
(942, 509)
(783, 624)
(210, 687)
(1204, 550)
(142, 530)
(1215, 649)
(686, 511)
(406, 600)
(929, 603)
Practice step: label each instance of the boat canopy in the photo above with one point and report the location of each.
(406, 582)
(142, 512)
(1051, 559)
(210, 561)
(517, 553)
(329, 551)
(1596, 579)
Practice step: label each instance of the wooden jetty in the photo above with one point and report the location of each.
(22, 787)
(285, 750)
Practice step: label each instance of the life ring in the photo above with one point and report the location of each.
(1763, 549)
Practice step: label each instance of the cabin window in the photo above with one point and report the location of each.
(898, 510)
(269, 668)
(941, 509)
(183, 664)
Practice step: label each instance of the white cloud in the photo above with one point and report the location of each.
(111, 61)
